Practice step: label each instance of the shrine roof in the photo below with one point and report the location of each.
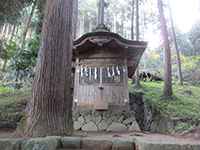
(105, 39)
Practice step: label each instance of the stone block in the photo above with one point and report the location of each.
(120, 120)
(96, 144)
(78, 125)
(122, 145)
(90, 126)
(97, 119)
(48, 143)
(88, 118)
(134, 127)
(71, 142)
(10, 144)
(117, 127)
(103, 125)
(81, 120)
(167, 145)
(129, 120)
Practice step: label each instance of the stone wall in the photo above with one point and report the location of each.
(136, 116)
(67, 143)
(110, 121)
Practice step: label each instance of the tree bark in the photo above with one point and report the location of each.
(1, 28)
(28, 23)
(132, 26)
(137, 73)
(40, 12)
(13, 33)
(167, 66)
(132, 19)
(86, 23)
(50, 111)
(4, 65)
(17, 29)
(122, 26)
(4, 31)
(75, 18)
(176, 47)
(9, 31)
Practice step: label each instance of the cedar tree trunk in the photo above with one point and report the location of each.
(137, 73)
(176, 48)
(167, 67)
(75, 18)
(50, 110)
(28, 23)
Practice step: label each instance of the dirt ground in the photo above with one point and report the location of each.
(175, 139)
(6, 133)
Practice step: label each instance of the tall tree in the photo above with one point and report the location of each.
(11, 9)
(132, 18)
(194, 37)
(176, 47)
(132, 24)
(13, 33)
(137, 74)
(40, 13)
(51, 104)
(28, 23)
(75, 18)
(167, 66)
(86, 22)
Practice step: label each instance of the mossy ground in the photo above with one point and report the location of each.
(184, 104)
(12, 104)
(11, 96)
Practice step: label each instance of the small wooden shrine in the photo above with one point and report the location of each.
(103, 63)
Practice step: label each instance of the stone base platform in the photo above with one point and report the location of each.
(106, 121)
(94, 141)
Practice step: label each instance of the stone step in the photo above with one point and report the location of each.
(71, 149)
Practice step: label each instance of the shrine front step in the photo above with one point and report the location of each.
(73, 149)
(103, 142)
(127, 143)
(91, 143)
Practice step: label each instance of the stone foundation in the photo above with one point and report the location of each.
(108, 121)
(106, 142)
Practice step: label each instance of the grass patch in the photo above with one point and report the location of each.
(11, 96)
(184, 104)
(4, 90)
(181, 127)
(12, 105)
